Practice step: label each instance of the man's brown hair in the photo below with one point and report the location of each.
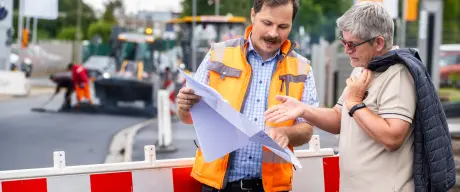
(273, 3)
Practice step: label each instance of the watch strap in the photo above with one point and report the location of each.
(356, 107)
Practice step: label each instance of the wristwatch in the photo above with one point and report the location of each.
(356, 107)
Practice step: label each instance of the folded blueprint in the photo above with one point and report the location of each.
(221, 129)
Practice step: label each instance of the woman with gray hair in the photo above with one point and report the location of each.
(378, 111)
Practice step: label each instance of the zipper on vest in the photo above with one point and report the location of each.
(282, 85)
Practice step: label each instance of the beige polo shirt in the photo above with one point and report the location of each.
(365, 164)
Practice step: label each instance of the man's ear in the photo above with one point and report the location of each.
(253, 15)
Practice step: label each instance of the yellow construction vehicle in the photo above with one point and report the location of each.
(135, 76)
(208, 29)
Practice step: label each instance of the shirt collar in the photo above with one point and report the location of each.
(251, 49)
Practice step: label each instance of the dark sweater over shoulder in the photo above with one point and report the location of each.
(434, 166)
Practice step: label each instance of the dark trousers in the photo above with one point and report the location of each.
(67, 99)
(238, 186)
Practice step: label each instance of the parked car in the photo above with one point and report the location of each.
(449, 64)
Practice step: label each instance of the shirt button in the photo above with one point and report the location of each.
(258, 100)
(263, 64)
(260, 82)
(248, 175)
(250, 157)
(255, 119)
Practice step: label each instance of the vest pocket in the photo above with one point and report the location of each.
(223, 70)
(289, 78)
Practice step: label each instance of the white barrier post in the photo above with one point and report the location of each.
(164, 123)
(314, 144)
(59, 159)
(149, 154)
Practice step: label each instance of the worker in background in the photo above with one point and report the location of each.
(64, 80)
(81, 82)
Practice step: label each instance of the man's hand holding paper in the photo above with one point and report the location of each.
(221, 129)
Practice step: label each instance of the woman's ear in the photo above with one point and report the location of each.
(380, 41)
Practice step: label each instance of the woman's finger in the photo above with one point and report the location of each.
(271, 110)
(275, 117)
(282, 118)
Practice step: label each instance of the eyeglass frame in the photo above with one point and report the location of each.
(352, 46)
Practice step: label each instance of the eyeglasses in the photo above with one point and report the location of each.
(352, 46)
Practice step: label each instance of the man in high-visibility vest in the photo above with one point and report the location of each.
(81, 82)
(249, 72)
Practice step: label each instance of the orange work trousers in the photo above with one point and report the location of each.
(83, 92)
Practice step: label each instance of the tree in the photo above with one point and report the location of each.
(110, 8)
(451, 24)
(309, 15)
(240, 8)
(101, 29)
(203, 7)
(330, 11)
(67, 33)
(207, 7)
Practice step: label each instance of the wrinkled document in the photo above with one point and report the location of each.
(221, 129)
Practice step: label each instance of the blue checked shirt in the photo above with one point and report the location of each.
(246, 163)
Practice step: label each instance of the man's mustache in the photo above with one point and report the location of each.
(272, 39)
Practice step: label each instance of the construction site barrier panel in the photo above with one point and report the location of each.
(320, 173)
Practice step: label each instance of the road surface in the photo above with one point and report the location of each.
(183, 136)
(28, 139)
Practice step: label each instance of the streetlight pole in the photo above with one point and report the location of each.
(403, 25)
(77, 57)
(193, 35)
(34, 36)
(217, 4)
(20, 24)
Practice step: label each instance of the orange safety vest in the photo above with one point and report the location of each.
(230, 75)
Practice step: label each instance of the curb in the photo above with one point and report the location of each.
(121, 146)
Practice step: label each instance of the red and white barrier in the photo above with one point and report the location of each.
(320, 173)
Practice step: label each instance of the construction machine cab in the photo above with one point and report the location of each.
(135, 55)
(135, 79)
(208, 30)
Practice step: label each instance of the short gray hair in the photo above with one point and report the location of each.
(367, 20)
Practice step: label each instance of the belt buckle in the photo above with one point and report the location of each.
(242, 188)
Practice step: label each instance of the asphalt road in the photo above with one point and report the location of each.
(28, 139)
(183, 136)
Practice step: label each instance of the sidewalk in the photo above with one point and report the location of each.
(39, 86)
(34, 91)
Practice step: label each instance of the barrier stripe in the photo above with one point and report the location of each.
(183, 182)
(331, 174)
(310, 177)
(120, 182)
(31, 185)
(71, 183)
(152, 180)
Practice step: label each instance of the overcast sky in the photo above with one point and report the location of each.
(135, 5)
